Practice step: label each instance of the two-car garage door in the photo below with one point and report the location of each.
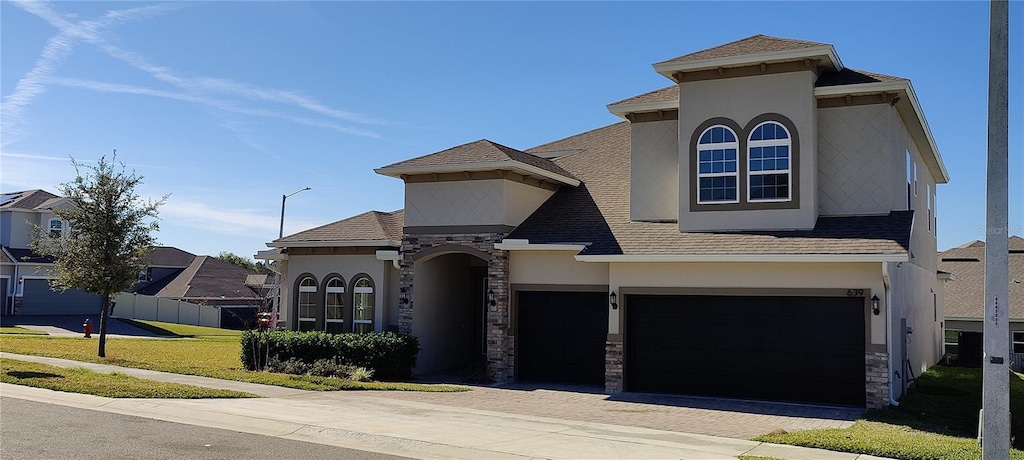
(804, 349)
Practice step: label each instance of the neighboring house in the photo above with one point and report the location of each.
(965, 302)
(24, 275)
(762, 228)
(170, 272)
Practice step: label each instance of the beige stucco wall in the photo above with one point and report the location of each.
(348, 266)
(751, 275)
(654, 171)
(471, 202)
(861, 160)
(914, 297)
(554, 267)
(741, 100)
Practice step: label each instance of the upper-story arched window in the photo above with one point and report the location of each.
(769, 170)
(717, 166)
(334, 306)
(307, 304)
(362, 305)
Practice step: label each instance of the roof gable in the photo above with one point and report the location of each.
(477, 155)
(384, 228)
(26, 199)
(754, 44)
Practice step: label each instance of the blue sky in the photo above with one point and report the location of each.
(228, 105)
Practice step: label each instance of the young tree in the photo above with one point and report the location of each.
(108, 236)
(235, 259)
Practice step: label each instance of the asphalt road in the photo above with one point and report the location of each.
(33, 430)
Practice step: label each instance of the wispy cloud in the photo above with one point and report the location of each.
(52, 57)
(230, 221)
(203, 90)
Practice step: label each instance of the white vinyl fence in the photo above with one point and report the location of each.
(151, 308)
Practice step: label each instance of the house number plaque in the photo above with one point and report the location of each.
(854, 292)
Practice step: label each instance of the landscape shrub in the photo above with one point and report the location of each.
(387, 355)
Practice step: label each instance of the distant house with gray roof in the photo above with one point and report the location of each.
(769, 213)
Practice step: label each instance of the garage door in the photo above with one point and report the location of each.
(802, 349)
(561, 336)
(38, 299)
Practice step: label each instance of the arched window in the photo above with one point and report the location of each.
(769, 163)
(362, 305)
(56, 228)
(307, 304)
(717, 168)
(334, 306)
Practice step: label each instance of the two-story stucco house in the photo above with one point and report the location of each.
(763, 227)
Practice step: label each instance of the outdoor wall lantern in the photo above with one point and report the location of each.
(404, 300)
(490, 298)
(613, 300)
(874, 305)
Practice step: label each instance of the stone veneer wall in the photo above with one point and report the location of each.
(500, 343)
(876, 379)
(612, 367)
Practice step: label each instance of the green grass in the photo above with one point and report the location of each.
(183, 330)
(938, 419)
(19, 330)
(114, 385)
(209, 357)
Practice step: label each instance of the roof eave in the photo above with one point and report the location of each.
(333, 243)
(807, 258)
(509, 165)
(667, 68)
(622, 109)
(907, 90)
(525, 245)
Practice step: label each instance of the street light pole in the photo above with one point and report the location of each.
(280, 233)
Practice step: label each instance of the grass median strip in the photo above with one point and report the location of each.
(114, 385)
(936, 420)
(19, 330)
(217, 358)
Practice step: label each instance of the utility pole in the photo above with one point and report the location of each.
(995, 373)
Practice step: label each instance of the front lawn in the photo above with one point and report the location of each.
(114, 385)
(217, 358)
(183, 330)
(937, 419)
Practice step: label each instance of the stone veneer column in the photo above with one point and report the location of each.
(612, 367)
(876, 379)
(500, 343)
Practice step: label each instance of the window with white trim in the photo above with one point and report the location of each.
(768, 163)
(307, 304)
(928, 198)
(717, 166)
(56, 228)
(334, 306)
(951, 343)
(910, 180)
(362, 306)
(1018, 342)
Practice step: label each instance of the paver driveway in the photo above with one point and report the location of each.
(710, 416)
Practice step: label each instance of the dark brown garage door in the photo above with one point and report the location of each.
(802, 349)
(561, 336)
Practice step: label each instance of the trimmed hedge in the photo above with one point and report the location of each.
(389, 355)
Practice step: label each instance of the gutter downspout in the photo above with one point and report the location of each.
(888, 327)
(13, 284)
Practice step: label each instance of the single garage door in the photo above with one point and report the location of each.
(802, 349)
(561, 336)
(38, 299)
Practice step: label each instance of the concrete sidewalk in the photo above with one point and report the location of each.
(408, 428)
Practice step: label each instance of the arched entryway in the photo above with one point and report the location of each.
(450, 299)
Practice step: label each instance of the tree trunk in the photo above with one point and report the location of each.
(103, 326)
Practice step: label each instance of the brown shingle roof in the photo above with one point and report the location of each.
(481, 151)
(755, 44)
(852, 77)
(668, 93)
(965, 296)
(27, 199)
(371, 225)
(168, 256)
(597, 212)
(210, 278)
